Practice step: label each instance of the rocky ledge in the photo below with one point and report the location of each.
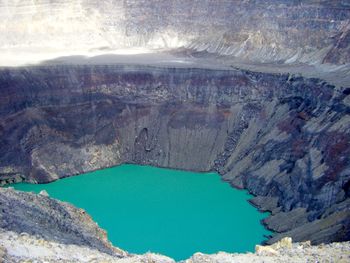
(22, 247)
(25, 248)
(282, 252)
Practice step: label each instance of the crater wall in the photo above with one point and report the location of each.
(283, 137)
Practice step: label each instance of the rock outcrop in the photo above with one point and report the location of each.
(22, 247)
(44, 218)
(296, 252)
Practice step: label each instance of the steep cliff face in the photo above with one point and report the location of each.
(284, 138)
(254, 30)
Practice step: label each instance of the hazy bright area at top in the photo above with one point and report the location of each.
(32, 32)
(171, 212)
(165, 33)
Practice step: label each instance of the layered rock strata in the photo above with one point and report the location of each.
(283, 137)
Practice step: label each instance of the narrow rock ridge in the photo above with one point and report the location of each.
(283, 137)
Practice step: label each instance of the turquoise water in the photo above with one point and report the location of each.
(171, 212)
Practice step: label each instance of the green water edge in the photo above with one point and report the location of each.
(171, 212)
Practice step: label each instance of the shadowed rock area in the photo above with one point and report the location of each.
(256, 90)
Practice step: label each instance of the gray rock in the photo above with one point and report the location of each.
(31, 214)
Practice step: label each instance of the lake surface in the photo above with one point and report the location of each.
(175, 213)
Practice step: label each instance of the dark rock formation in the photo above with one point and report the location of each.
(283, 137)
(52, 220)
